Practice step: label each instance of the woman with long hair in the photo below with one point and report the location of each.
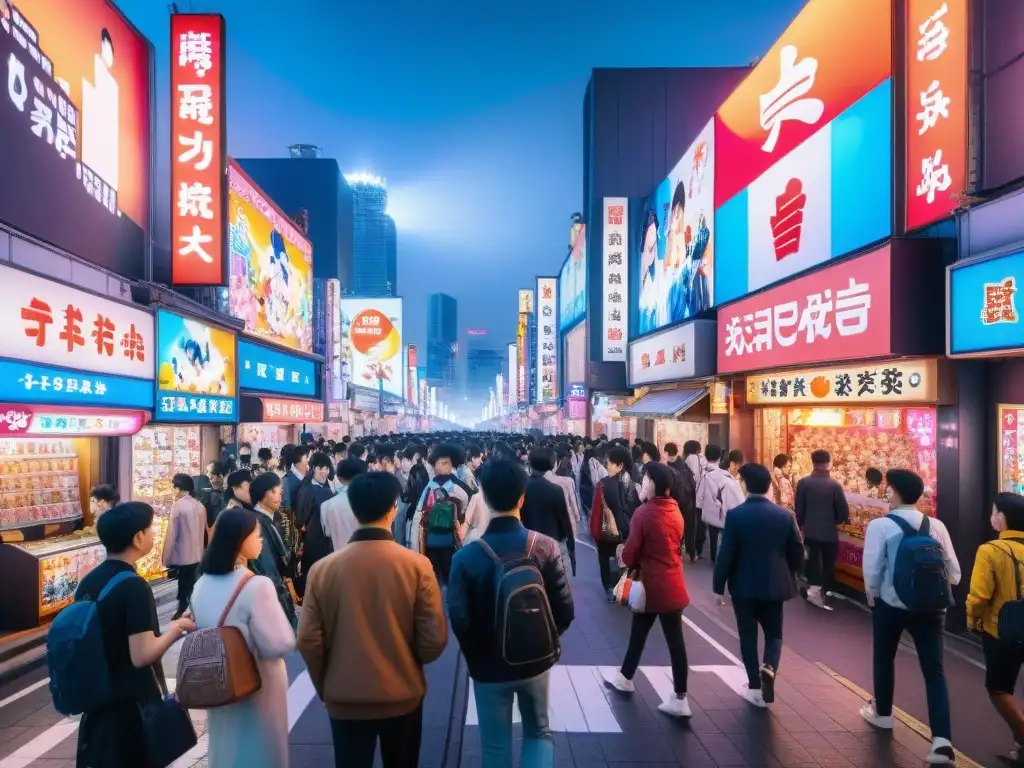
(252, 732)
(653, 548)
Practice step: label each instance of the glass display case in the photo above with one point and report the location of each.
(858, 439)
(1011, 448)
(39, 483)
(158, 454)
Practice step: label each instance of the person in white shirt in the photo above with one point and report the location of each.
(891, 617)
(718, 492)
(336, 515)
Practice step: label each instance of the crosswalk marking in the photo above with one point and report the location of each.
(27, 753)
(24, 692)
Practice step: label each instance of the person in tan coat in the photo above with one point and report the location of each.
(371, 619)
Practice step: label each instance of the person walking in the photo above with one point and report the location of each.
(336, 516)
(252, 732)
(696, 529)
(760, 554)
(821, 507)
(654, 549)
(371, 619)
(265, 494)
(314, 543)
(905, 597)
(441, 511)
(510, 652)
(719, 492)
(545, 508)
(184, 538)
(996, 583)
(612, 492)
(782, 481)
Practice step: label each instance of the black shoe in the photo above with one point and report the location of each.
(767, 683)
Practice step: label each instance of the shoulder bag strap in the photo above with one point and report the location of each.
(231, 603)
(1008, 551)
(926, 527)
(114, 581)
(490, 552)
(531, 539)
(904, 526)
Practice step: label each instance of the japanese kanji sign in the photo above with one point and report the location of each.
(49, 421)
(833, 53)
(262, 369)
(841, 312)
(898, 381)
(665, 356)
(198, 150)
(547, 339)
(292, 411)
(522, 385)
(615, 280)
(985, 306)
(936, 108)
(55, 324)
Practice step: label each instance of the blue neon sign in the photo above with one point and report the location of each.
(266, 370)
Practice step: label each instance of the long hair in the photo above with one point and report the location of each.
(233, 527)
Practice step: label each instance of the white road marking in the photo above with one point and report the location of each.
(24, 692)
(27, 753)
(714, 643)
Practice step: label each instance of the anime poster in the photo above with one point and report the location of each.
(676, 251)
(271, 283)
(572, 280)
(196, 370)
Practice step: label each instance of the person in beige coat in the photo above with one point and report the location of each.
(184, 539)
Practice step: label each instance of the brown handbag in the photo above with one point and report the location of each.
(216, 667)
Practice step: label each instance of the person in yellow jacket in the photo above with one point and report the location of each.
(993, 584)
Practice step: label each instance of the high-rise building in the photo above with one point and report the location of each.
(375, 239)
(483, 364)
(442, 338)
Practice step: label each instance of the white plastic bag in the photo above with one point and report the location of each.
(630, 592)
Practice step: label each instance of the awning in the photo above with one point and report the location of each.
(667, 403)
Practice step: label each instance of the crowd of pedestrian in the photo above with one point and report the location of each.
(352, 552)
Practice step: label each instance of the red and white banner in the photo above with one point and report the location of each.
(20, 420)
(838, 313)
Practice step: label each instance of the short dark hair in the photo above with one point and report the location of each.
(118, 527)
(372, 495)
(105, 492)
(447, 451)
(386, 451)
(651, 450)
(183, 482)
(736, 457)
(263, 485)
(672, 449)
(264, 454)
(233, 527)
(619, 454)
(346, 439)
(542, 459)
(238, 477)
(349, 468)
(297, 454)
(1012, 506)
(218, 468)
(780, 461)
(908, 485)
(661, 476)
(821, 456)
(357, 450)
(320, 460)
(690, 448)
(503, 482)
(873, 475)
(713, 453)
(339, 448)
(473, 451)
(756, 477)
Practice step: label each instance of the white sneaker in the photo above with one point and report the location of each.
(621, 683)
(870, 713)
(941, 753)
(814, 598)
(677, 706)
(753, 695)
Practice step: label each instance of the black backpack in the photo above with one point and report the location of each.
(214, 502)
(1011, 614)
(523, 621)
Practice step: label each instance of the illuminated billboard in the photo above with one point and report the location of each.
(76, 129)
(572, 280)
(547, 339)
(271, 286)
(373, 328)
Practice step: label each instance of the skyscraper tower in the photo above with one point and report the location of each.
(442, 338)
(375, 239)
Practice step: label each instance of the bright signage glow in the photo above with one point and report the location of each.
(547, 339)
(615, 275)
(572, 281)
(196, 371)
(373, 328)
(51, 421)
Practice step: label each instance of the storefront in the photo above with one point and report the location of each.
(801, 392)
(263, 370)
(196, 393)
(75, 375)
(607, 419)
(670, 372)
(575, 401)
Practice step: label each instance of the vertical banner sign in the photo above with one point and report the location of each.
(410, 380)
(198, 150)
(937, 33)
(616, 266)
(547, 339)
(513, 374)
(521, 382)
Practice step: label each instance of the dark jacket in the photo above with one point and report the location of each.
(316, 545)
(290, 492)
(273, 562)
(471, 597)
(821, 506)
(653, 547)
(760, 553)
(616, 494)
(544, 511)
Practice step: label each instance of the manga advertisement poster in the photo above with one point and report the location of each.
(676, 252)
(271, 284)
(197, 378)
(75, 120)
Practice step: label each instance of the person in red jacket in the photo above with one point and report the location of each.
(654, 548)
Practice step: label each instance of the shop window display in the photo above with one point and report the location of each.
(858, 440)
(679, 432)
(158, 454)
(1011, 448)
(39, 483)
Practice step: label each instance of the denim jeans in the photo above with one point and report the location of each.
(926, 631)
(494, 710)
(750, 614)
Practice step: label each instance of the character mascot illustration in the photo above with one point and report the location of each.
(192, 368)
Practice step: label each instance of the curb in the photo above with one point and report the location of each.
(452, 757)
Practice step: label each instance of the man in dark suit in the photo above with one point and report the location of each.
(544, 509)
(759, 558)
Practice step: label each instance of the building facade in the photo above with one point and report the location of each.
(442, 339)
(375, 238)
(484, 363)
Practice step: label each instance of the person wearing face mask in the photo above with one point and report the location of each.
(244, 455)
(992, 604)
